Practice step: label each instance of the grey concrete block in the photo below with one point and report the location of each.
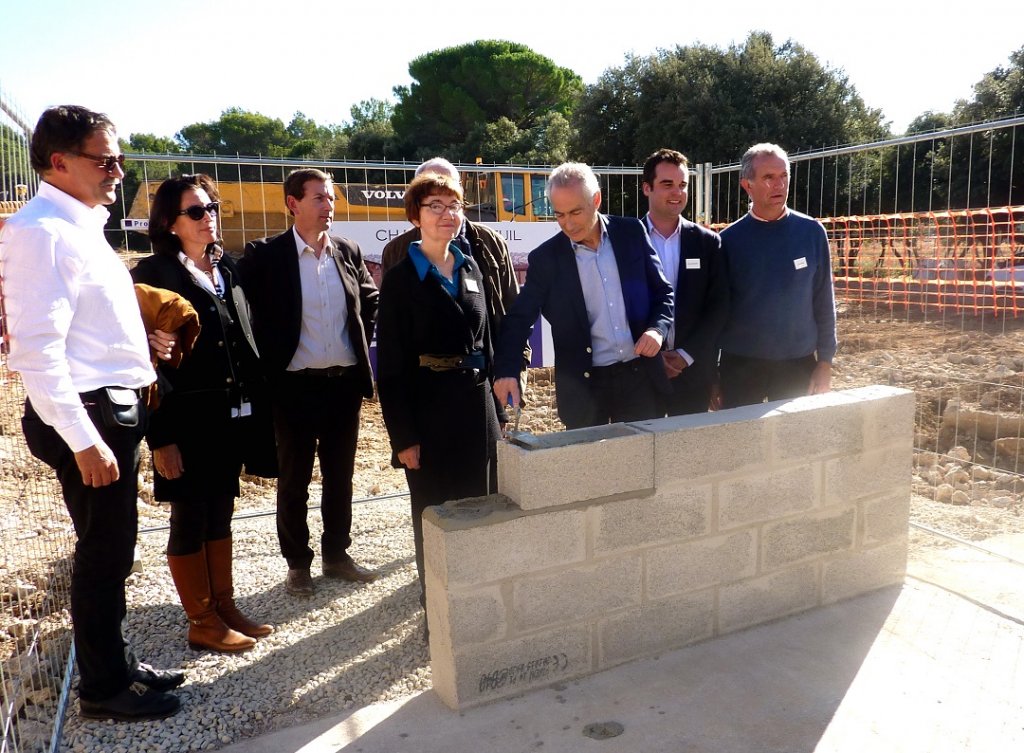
(470, 676)
(768, 494)
(768, 597)
(695, 565)
(877, 471)
(862, 571)
(885, 518)
(810, 535)
(889, 415)
(572, 466)
(577, 593)
(466, 618)
(730, 445)
(818, 425)
(499, 545)
(656, 626)
(664, 516)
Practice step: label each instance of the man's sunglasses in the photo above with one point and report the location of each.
(198, 211)
(107, 162)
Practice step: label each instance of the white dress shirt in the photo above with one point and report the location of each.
(323, 337)
(669, 252)
(72, 314)
(610, 336)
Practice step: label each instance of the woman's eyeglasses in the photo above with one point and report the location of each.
(198, 211)
(107, 162)
(439, 207)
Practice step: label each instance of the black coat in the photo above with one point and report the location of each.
(221, 373)
(270, 270)
(450, 414)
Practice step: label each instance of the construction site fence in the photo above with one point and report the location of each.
(918, 224)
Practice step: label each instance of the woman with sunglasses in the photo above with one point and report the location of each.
(205, 428)
(434, 359)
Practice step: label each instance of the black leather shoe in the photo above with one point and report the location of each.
(158, 679)
(299, 582)
(136, 703)
(348, 570)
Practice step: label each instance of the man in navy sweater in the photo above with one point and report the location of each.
(780, 337)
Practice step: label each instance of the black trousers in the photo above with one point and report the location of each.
(106, 524)
(621, 392)
(196, 521)
(691, 393)
(315, 416)
(748, 381)
(437, 486)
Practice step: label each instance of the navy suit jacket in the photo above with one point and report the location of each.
(270, 274)
(701, 296)
(553, 289)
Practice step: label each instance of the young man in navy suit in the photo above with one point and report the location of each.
(600, 286)
(691, 256)
(314, 305)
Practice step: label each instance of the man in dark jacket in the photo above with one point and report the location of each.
(691, 256)
(600, 286)
(314, 305)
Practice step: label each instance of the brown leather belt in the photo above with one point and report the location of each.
(449, 363)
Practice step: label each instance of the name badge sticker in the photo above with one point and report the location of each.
(471, 285)
(800, 263)
(693, 263)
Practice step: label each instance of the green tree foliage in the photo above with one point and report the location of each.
(482, 90)
(713, 103)
(979, 169)
(370, 133)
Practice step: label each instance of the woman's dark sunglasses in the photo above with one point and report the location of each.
(198, 211)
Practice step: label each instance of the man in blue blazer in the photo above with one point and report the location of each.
(600, 285)
(691, 257)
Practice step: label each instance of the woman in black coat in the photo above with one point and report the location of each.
(204, 428)
(434, 360)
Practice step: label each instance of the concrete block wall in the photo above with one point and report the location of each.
(609, 544)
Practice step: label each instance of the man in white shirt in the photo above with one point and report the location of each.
(314, 305)
(77, 338)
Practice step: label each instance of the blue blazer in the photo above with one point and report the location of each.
(553, 289)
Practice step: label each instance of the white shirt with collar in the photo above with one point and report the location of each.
(670, 253)
(73, 318)
(323, 337)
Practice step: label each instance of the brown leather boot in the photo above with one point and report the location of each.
(218, 561)
(205, 627)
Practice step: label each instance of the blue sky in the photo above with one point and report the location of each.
(155, 67)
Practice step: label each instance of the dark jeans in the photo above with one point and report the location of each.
(691, 393)
(748, 381)
(315, 416)
(106, 524)
(621, 392)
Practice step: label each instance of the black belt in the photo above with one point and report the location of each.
(329, 371)
(449, 363)
(93, 395)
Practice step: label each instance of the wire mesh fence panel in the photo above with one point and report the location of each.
(927, 242)
(36, 535)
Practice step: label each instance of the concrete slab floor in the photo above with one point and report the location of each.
(914, 669)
